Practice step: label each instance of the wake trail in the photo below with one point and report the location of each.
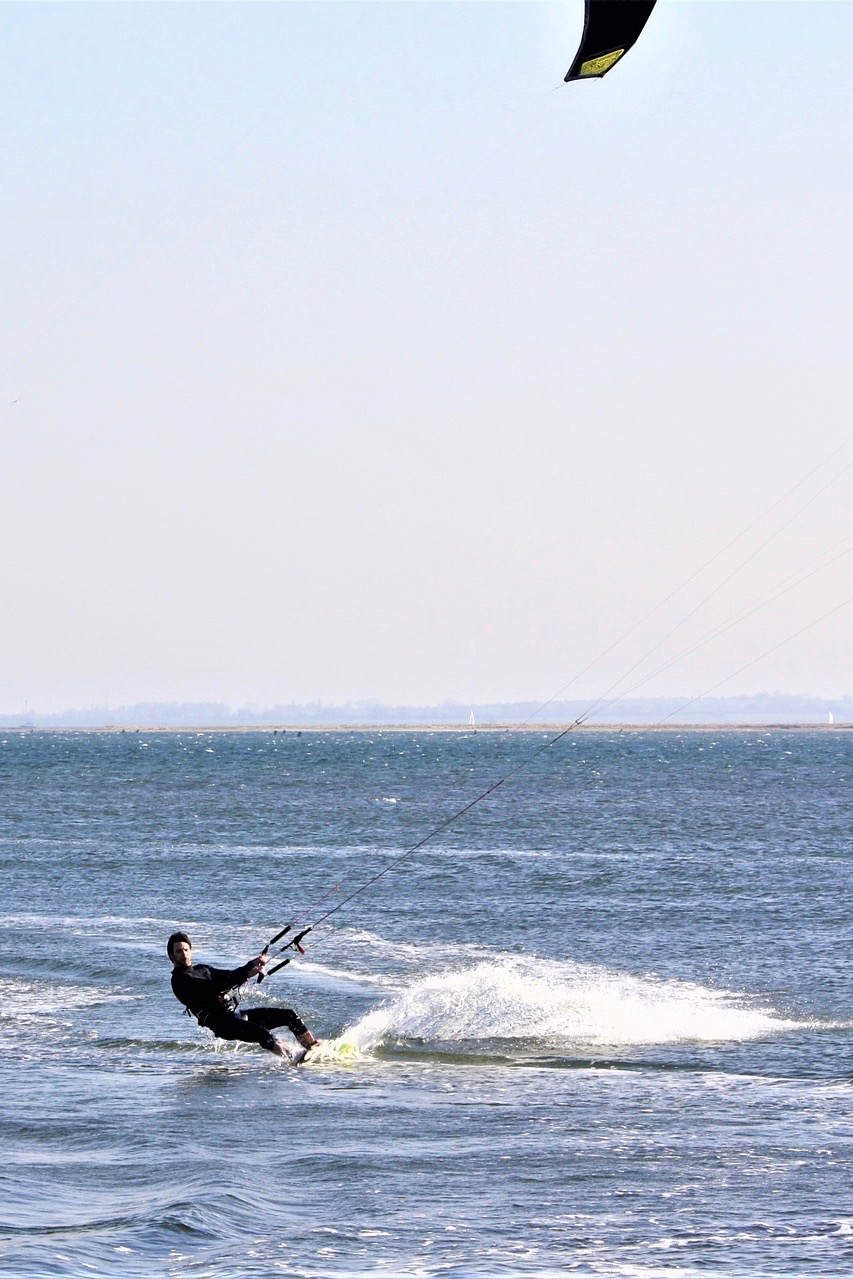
(562, 1004)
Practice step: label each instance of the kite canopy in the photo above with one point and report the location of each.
(610, 27)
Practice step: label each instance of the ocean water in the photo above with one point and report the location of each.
(604, 1023)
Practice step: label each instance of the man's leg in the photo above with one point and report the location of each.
(231, 1026)
(271, 1018)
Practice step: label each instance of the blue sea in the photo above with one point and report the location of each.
(602, 1025)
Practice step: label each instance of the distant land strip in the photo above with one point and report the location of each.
(760, 710)
(296, 730)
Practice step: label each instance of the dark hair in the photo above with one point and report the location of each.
(176, 937)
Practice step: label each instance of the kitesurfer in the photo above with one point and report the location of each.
(210, 995)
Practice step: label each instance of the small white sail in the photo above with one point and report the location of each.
(471, 721)
(831, 718)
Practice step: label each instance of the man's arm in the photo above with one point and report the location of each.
(200, 988)
(222, 979)
(227, 978)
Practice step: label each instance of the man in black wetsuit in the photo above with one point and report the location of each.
(209, 994)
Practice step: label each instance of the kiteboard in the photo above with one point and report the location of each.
(327, 1051)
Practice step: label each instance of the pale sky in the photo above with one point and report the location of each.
(348, 353)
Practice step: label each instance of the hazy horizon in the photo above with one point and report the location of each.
(758, 708)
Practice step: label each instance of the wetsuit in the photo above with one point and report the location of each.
(209, 994)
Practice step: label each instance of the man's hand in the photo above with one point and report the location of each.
(258, 965)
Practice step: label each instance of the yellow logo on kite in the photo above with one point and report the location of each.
(598, 66)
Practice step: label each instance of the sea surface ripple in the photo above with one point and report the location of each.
(603, 1025)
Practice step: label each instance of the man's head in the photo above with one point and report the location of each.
(180, 950)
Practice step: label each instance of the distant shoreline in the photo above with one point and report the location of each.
(299, 729)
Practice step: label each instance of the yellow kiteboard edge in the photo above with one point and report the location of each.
(337, 1051)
